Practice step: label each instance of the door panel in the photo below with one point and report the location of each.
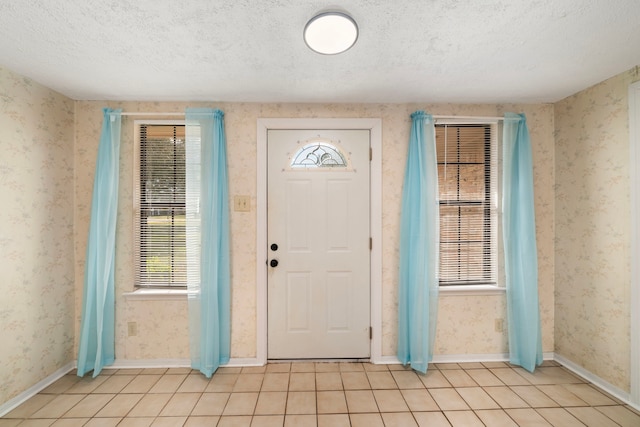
(338, 215)
(298, 302)
(319, 292)
(339, 300)
(298, 202)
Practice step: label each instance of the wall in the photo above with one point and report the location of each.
(36, 233)
(466, 323)
(592, 229)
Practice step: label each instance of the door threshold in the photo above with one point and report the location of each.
(356, 360)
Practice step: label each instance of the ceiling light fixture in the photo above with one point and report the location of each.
(331, 32)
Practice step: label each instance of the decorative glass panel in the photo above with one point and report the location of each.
(319, 155)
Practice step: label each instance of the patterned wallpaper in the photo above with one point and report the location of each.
(466, 322)
(36, 233)
(592, 229)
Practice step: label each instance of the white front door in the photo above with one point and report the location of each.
(318, 235)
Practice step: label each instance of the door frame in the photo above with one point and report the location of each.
(634, 172)
(374, 125)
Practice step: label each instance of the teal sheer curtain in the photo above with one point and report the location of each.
(419, 247)
(519, 234)
(97, 340)
(207, 228)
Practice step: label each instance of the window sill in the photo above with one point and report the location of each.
(471, 290)
(156, 294)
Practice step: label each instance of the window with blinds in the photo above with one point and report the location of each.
(467, 169)
(160, 237)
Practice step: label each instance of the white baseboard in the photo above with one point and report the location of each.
(247, 361)
(469, 358)
(174, 363)
(149, 363)
(596, 380)
(460, 358)
(253, 361)
(11, 404)
(386, 360)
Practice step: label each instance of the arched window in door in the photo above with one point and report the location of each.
(319, 154)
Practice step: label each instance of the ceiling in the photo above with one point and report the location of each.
(435, 51)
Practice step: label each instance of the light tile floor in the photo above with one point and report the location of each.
(325, 394)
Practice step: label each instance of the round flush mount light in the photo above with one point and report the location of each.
(330, 32)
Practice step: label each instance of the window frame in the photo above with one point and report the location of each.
(495, 222)
(146, 288)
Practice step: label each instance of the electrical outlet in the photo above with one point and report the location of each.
(132, 328)
(499, 325)
(242, 203)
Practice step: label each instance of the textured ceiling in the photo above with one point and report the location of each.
(252, 50)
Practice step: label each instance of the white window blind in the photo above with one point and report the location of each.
(159, 229)
(467, 170)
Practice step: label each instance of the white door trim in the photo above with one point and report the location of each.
(634, 175)
(375, 127)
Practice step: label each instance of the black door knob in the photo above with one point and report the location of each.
(273, 263)
(274, 247)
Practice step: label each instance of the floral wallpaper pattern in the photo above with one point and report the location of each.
(592, 229)
(466, 322)
(36, 233)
